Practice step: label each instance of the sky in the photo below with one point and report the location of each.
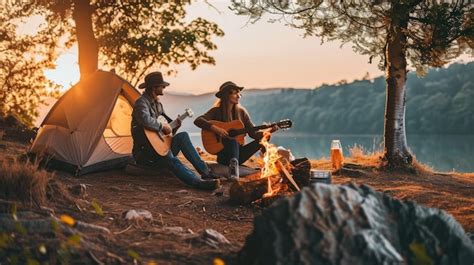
(260, 55)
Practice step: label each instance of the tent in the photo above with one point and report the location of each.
(88, 129)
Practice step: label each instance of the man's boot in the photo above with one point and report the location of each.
(208, 184)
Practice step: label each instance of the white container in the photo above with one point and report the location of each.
(320, 176)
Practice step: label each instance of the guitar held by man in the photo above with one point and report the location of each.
(160, 141)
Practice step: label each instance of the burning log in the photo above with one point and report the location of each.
(249, 189)
(281, 165)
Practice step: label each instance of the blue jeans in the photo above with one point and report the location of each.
(232, 149)
(181, 142)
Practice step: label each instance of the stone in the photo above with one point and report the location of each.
(173, 229)
(138, 215)
(213, 238)
(223, 170)
(349, 224)
(79, 190)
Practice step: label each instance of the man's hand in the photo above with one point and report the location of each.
(166, 129)
(219, 131)
(178, 122)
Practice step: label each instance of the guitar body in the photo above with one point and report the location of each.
(162, 143)
(213, 143)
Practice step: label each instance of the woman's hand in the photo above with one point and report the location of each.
(219, 131)
(274, 128)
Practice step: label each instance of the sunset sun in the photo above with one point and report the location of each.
(66, 72)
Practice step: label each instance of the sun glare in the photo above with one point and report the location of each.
(66, 73)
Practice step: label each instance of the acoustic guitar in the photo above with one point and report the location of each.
(236, 129)
(160, 142)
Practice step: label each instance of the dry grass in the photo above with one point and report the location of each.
(359, 155)
(27, 184)
(23, 182)
(420, 168)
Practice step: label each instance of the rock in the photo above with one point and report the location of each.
(32, 223)
(332, 224)
(139, 170)
(138, 215)
(285, 153)
(213, 238)
(223, 171)
(91, 228)
(78, 190)
(471, 236)
(173, 229)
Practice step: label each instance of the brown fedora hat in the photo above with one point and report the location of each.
(226, 86)
(153, 79)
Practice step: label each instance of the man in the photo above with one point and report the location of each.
(146, 110)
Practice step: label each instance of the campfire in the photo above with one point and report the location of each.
(278, 177)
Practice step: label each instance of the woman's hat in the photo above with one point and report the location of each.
(226, 87)
(153, 79)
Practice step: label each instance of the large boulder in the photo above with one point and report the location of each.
(348, 224)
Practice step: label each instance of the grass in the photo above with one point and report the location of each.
(27, 184)
(371, 159)
(358, 154)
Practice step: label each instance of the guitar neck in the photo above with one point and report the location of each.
(174, 124)
(256, 128)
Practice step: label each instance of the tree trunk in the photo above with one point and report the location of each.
(396, 154)
(87, 43)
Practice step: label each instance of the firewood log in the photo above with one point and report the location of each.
(245, 191)
(301, 171)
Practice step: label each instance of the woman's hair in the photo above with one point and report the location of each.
(222, 104)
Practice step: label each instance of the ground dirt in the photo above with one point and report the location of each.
(173, 204)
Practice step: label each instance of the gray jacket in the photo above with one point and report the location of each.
(145, 113)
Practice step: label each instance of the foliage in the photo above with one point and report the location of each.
(439, 103)
(136, 36)
(23, 59)
(437, 32)
(133, 37)
(425, 33)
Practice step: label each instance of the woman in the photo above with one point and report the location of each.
(227, 108)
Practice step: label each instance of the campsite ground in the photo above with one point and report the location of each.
(180, 213)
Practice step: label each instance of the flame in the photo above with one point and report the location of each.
(271, 156)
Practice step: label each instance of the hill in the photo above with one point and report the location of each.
(436, 104)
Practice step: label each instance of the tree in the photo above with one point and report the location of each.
(131, 37)
(424, 33)
(23, 59)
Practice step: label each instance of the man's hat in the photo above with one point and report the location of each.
(153, 79)
(226, 87)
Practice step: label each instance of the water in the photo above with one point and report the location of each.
(441, 152)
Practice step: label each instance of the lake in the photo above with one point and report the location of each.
(441, 152)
